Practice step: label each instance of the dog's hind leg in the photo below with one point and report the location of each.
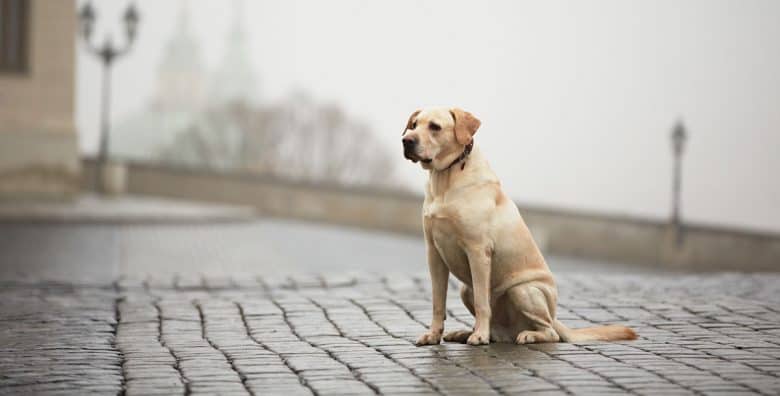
(531, 301)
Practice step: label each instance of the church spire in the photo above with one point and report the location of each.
(180, 79)
(235, 77)
(183, 21)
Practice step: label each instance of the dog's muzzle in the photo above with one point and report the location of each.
(410, 148)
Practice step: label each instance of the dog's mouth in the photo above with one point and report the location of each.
(415, 158)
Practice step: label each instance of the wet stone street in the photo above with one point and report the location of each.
(354, 334)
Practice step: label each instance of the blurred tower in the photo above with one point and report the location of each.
(179, 98)
(235, 80)
(180, 80)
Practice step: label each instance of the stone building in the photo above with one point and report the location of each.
(38, 140)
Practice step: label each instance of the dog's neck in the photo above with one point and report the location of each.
(461, 159)
(442, 180)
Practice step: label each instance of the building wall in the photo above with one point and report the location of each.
(38, 141)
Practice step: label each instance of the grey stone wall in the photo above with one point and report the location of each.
(597, 236)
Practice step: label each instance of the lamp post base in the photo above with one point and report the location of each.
(113, 178)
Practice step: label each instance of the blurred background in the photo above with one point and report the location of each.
(202, 136)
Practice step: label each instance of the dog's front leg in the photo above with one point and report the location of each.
(479, 263)
(439, 280)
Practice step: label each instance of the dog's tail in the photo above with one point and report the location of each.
(598, 333)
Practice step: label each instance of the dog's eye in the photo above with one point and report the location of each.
(434, 126)
(414, 125)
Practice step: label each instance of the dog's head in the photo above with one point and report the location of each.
(437, 136)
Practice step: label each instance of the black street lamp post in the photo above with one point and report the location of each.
(107, 53)
(679, 136)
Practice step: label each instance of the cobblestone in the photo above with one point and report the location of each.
(353, 334)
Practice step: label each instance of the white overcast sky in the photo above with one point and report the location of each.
(577, 98)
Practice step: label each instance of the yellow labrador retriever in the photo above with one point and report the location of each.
(475, 232)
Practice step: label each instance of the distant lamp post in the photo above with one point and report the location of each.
(679, 136)
(107, 53)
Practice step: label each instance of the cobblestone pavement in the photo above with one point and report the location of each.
(353, 334)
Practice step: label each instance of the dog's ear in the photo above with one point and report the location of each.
(410, 121)
(466, 125)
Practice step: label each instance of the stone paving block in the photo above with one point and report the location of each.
(354, 334)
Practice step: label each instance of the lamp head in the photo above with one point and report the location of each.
(87, 19)
(131, 21)
(679, 137)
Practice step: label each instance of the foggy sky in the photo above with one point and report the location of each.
(577, 99)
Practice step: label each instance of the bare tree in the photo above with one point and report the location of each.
(298, 139)
(211, 141)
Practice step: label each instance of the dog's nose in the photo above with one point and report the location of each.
(409, 142)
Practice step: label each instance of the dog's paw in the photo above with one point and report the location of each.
(479, 338)
(526, 337)
(458, 336)
(533, 337)
(429, 339)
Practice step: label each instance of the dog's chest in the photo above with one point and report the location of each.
(440, 221)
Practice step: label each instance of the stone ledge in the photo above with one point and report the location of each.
(590, 235)
(120, 210)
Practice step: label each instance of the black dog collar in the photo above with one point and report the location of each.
(462, 156)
